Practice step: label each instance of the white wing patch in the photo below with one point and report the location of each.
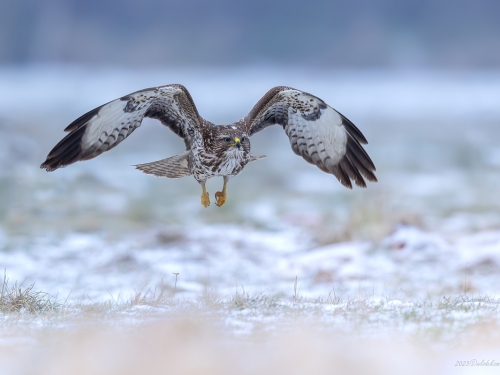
(105, 127)
(321, 141)
(317, 132)
(111, 125)
(329, 130)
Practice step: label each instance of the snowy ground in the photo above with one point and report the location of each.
(416, 255)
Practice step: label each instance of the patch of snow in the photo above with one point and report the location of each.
(414, 239)
(479, 247)
(409, 262)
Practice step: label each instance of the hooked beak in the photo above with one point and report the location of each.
(237, 142)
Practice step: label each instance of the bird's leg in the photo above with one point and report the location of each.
(221, 195)
(205, 198)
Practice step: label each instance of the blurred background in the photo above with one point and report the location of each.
(388, 34)
(421, 79)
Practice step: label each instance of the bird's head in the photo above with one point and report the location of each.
(232, 139)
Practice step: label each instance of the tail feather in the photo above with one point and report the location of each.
(173, 167)
(254, 157)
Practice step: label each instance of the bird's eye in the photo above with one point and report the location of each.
(243, 139)
(227, 139)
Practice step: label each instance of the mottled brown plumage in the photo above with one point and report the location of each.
(318, 133)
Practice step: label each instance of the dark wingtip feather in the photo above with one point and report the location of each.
(341, 175)
(360, 159)
(66, 152)
(352, 172)
(353, 129)
(82, 120)
(357, 158)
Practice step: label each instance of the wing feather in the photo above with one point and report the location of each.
(104, 127)
(317, 132)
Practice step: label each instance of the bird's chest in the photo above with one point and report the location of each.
(231, 164)
(205, 165)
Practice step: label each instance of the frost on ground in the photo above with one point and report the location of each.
(409, 263)
(246, 280)
(415, 257)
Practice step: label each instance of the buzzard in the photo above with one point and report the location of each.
(317, 132)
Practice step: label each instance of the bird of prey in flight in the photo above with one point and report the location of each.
(317, 132)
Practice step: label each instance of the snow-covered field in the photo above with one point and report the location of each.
(413, 258)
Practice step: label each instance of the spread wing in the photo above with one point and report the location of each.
(317, 132)
(105, 127)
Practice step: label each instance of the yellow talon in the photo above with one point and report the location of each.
(221, 198)
(221, 195)
(205, 198)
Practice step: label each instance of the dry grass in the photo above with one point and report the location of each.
(17, 298)
(242, 313)
(242, 300)
(156, 332)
